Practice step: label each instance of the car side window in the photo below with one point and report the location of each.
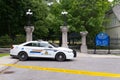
(43, 45)
(29, 44)
(32, 44)
(35, 44)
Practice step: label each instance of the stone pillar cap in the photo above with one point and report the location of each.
(84, 32)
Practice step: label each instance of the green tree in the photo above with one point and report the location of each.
(13, 17)
(40, 13)
(82, 14)
(115, 2)
(54, 21)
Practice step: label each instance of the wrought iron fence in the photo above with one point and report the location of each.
(115, 43)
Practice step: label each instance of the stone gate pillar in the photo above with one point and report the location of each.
(83, 47)
(29, 30)
(64, 30)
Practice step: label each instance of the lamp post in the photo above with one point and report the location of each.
(29, 13)
(50, 3)
(29, 28)
(64, 13)
(64, 30)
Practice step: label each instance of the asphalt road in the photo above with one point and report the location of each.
(87, 63)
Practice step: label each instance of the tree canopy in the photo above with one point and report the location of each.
(115, 2)
(82, 15)
(13, 16)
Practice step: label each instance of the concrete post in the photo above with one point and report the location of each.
(83, 46)
(64, 30)
(29, 30)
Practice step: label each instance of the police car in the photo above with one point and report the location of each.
(41, 49)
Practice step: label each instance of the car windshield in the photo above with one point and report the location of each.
(53, 44)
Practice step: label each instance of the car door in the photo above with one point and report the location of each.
(48, 50)
(33, 49)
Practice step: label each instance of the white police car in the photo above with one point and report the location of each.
(41, 49)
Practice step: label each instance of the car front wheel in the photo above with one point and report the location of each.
(60, 57)
(22, 56)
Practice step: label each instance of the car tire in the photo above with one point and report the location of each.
(23, 56)
(60, 57)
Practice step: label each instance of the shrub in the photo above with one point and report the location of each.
(5, 40)
(19, 39)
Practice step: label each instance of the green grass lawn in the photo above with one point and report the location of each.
(4, 54)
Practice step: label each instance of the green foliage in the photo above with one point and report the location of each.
(13, 16)
(4, 54)
(82, 15)
(40, 12)
(115, 2)
(19, 39)
(5, 40)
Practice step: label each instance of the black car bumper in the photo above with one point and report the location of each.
(75, 53)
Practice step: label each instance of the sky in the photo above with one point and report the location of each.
(110, 0)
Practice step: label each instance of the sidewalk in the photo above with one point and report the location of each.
(9, 60)
(6, 60)
(97, 55)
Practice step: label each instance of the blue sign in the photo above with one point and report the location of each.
(102, 39)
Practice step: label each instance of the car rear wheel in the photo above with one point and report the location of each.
(60, 57)
(23, 56)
